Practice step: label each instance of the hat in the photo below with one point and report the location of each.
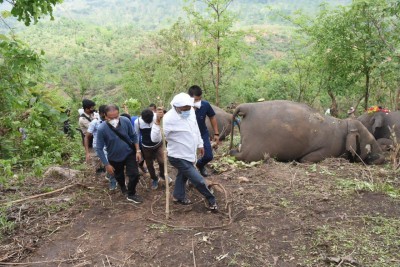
(181, 100)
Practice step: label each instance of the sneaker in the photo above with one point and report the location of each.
(185, 201)
(135, 199)
(169, 180)
(213, 207)
(154, 184)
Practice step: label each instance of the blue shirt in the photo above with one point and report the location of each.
(117, 149)
(93, 127)
(201, 113)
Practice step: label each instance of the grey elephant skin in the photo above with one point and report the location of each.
(289, 131)
(378, 124)
(224, 121)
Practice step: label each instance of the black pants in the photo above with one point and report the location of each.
(151, 154)
(131, 171)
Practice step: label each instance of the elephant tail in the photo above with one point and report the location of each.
(235, 121)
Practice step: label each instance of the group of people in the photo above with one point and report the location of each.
(121, 144)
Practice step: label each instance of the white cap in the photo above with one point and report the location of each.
(181, 100)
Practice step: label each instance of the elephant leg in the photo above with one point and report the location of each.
(314, 156)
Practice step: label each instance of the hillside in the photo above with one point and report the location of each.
(154, 15)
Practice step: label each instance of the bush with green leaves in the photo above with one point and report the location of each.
(32, 116)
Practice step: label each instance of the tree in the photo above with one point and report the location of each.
(217, 43)
(26, 10)
(347, 44)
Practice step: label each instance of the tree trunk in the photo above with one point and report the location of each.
(366, 96)
(334, 106)
(218, 75)
(397, 104)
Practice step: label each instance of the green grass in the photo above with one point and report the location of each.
(384, 187)
(6, 226)
(371, 241)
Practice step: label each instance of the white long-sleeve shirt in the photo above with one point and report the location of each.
(183, 135)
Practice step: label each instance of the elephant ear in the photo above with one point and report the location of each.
(351, 142)
(377, 122)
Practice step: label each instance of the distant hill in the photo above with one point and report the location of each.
(154, 14)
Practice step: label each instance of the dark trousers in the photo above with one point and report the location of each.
(151, 154)
(129, 163)
(187, 171)
(208, 154)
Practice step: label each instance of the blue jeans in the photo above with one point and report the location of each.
(187, 171)
(112, 181)
(208, 155)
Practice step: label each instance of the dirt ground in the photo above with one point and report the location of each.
(272, 214)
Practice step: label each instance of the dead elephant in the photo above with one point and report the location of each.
(224, 121)
(289, 131)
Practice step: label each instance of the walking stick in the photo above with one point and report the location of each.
(161, 108)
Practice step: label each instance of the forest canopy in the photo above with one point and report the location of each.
(327, 55)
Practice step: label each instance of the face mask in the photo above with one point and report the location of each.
(197, 104)
(185, 114)
(114, 122)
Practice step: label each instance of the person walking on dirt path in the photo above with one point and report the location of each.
(151, 150)
(184, 140)
(123, 151)
(141, 164)
(203, 109)
(92, 133)
(88, 114)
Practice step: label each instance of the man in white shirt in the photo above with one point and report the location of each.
(184, 140)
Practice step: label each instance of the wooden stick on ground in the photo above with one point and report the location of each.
(194, 256)
(44, 194)
(161, 108)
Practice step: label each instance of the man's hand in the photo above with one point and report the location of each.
(200, 151)
(110, 169)
(138, 156)
(216, 140)
(159, 114)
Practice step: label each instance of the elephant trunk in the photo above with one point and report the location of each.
(234, 120)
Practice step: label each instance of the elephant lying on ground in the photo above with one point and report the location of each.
(224, 121)
(289, 131)
(378, 124)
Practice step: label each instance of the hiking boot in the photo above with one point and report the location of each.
(154, 184)
(135, 199)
